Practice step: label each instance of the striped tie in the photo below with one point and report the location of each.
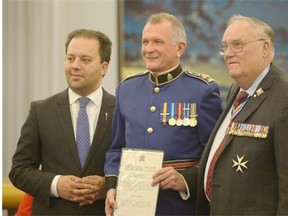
(239, 103)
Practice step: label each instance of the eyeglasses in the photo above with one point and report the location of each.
(235, 46)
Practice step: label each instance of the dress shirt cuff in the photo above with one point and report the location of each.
(111, 182)
(53, 189)
(185, 195)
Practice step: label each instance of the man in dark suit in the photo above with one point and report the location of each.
(250, 176)
(46, 163)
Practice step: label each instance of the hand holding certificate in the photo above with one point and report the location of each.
(135, 195)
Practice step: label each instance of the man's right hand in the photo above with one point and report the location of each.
(68, 186)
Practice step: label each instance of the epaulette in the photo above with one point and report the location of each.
(204, 77)
(135, 75)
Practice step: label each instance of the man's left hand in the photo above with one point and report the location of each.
(169, 178)
(92, 189)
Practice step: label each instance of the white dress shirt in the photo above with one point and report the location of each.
(93, 110)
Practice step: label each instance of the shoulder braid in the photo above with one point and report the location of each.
(204, 77)
(135, 75)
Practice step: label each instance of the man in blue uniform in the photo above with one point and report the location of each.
(166, 108)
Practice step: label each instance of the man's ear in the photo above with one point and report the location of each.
(104, 67)
(181, 48)
(266, 49)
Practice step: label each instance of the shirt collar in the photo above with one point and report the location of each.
(95, 96)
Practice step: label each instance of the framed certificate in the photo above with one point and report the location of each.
(134, 193)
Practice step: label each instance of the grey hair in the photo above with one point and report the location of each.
(263, 30)
(178, 30)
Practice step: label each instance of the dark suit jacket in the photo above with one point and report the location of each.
(262, 188)
(47, 139)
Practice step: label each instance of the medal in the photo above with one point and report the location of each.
(179, 122)
(186, 120)
(193, 115)
(164, 114)
(179, 114)
(193, 122)
(172, 120)
(248, 130)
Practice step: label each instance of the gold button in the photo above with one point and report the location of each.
(152, 108)
(150, 130)
(156, 89)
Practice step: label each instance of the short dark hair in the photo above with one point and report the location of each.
(104, 42)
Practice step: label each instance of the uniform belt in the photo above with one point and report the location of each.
(181, 164)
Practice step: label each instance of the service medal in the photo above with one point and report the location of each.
(164, 114)
(193, 122)
(179, 114)
(172, 122)
(186, 110)
(186, 121)
(193, 115)
(179, 122)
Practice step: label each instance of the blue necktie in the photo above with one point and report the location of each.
(82, 131)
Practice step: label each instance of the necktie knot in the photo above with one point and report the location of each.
(83, 101)
(240, 98)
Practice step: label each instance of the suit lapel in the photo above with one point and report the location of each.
(255, 100)
(230, 99)
(103, 124)
(258, 97)
(64, 115)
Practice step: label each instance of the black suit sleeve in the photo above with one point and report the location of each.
(25, 173)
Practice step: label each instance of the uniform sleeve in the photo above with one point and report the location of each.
(113, 155)
(210, 109)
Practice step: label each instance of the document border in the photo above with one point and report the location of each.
(134, 193)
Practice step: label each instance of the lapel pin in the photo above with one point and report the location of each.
(259, 91)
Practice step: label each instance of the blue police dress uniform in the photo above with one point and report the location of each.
(141, 120)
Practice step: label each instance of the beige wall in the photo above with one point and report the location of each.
(34, 33)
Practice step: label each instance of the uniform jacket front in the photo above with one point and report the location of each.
(251, 174)
(47, 140)
(137, 124)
